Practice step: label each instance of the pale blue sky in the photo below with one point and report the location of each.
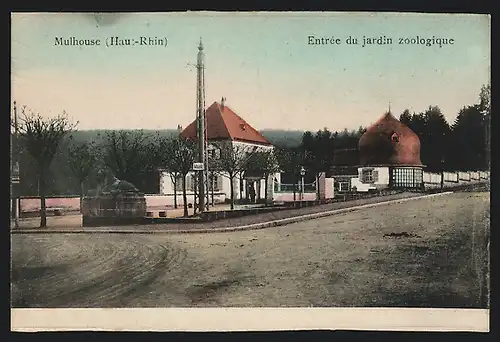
(261, 62)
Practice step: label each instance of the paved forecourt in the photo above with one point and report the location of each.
(258, 221)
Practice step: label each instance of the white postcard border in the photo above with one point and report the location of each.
(250, 319)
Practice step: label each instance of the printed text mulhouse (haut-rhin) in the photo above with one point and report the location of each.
(111, 41)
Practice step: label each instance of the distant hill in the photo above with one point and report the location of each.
(281, 138)
(98, 134)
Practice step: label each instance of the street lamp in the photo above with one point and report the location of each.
(302, 174)
(442, 172)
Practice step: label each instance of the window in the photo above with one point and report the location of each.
(213, 153)
(344, 186)
(369, 176)
(192, 182)
(215, 182)
(395, 137)
(407, 177)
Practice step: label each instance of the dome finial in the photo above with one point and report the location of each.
(200, 47)
(389, 107)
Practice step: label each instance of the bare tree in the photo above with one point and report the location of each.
(266, 163)
(82, 159)
(122, 153)
(41, 139)
(174, 177)
(133, 157)
(165, 150)
(213, 180)
(180, 155)
(291, 160)
(232, 161)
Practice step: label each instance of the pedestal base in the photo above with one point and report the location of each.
(122, 209)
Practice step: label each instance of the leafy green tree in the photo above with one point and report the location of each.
(434, 133)
(485, 107)
(406, 118)
(435, 142)
(468, 139)
(319, 151)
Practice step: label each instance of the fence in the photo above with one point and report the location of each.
(432, 180)
(72, 203)
(308, 188)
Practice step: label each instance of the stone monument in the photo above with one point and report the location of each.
(113, 202)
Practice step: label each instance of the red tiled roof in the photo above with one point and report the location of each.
(388, 141)
(224, 124)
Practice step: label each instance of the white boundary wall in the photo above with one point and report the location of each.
(431, 180)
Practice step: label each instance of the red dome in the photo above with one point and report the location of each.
(389, 142)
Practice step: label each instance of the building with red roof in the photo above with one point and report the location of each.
(223, 124)
(389, 155)
(225, 128)
(389, 142)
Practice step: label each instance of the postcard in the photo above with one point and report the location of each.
(250, 171)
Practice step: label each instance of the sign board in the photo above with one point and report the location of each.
(198, 166)
(14, 176)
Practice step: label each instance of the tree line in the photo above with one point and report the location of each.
(138, 158)
(462, 145)
(53, 161)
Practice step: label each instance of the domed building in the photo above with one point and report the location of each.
(389, 155)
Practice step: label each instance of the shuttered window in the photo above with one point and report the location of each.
(367, 176)
(190, 182)
(215, 182)
(178, 183)
(218, 183)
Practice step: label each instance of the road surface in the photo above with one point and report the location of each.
(422, 253)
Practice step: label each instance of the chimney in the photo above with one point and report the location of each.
(179, 128)
(223, 102)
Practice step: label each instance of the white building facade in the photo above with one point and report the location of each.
(219, 182)
(225, 130)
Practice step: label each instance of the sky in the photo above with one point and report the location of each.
(262, 63)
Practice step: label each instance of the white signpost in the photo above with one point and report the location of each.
(197, 166)
(15, 173)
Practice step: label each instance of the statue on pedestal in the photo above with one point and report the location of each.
(114, 201)
(109, 184)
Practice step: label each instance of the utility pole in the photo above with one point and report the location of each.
(11, 174)
(200, 116)
(487, 126)
(14, 171)
(205, 169)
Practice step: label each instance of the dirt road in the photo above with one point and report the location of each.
(426, 252)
